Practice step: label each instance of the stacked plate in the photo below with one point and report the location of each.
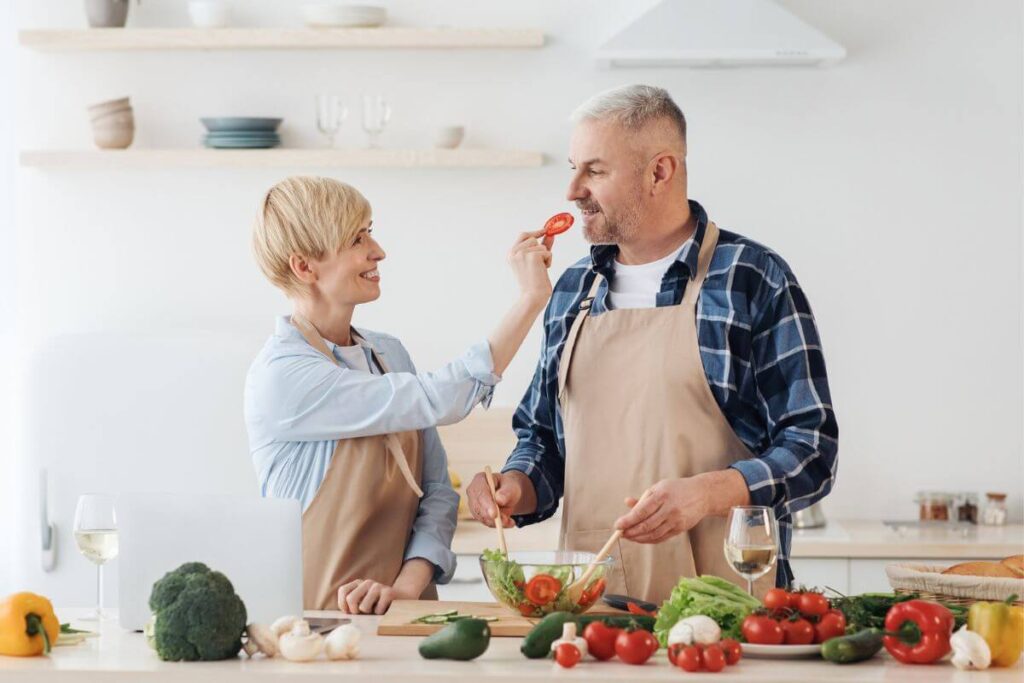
(241, 132)
(333, 14)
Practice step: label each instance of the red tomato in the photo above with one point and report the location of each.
(689, 658)
(832, 625)
(567, 655)
(776, 598)
(601, 639)
(542, 589)
(813, 604)
(733, 651)
(527, 610)
(794, 600)
(634, 647)
(652, 642)
(673, 653)
(713, 658)
(762, 630)
(590, 595)
(558, 224)
(798, 632)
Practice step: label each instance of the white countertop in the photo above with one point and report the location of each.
(838, 539)
(122, 656)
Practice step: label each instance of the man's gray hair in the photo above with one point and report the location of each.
(633, 107)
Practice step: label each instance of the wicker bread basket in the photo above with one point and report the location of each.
(930, 583)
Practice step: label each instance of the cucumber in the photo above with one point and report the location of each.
(462, 640)
(617, 621)
(855, 648)
(537, 643)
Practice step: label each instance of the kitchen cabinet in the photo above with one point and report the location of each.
(821, 572)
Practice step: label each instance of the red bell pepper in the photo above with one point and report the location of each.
(918, 631)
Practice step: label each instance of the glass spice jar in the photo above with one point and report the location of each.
(995, 509)
(934, 506)
(967, 508)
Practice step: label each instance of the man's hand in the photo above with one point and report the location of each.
(677, 505)
(513, 492)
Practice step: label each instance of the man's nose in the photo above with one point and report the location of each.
(576, 191)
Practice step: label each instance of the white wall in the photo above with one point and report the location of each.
(891, 183)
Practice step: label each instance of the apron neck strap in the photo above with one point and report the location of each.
(707, 250)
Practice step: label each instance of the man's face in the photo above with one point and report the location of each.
(607, 182)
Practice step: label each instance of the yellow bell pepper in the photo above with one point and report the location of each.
(1002, 626)
(28, 626)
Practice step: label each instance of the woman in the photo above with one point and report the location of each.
(339, 419)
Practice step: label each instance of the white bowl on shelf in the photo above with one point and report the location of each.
(337, 15)
(449, 137)
(209, 13)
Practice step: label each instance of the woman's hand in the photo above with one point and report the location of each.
(530, 261)
(365, 596)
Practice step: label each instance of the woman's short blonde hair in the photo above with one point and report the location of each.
(308, 216)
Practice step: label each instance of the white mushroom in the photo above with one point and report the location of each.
(970, 651)
(260, 639)
(569, 637)
(343, 642)
(300, 644)
(696, 629)
(283, 624)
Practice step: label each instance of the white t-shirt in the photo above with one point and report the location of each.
(355, 357)
(637, 286)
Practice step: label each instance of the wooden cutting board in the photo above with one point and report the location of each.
(397, 621)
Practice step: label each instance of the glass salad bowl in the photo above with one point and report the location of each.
(536, 583)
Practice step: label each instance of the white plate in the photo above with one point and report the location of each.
(781, 651)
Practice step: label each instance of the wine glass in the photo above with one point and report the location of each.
(752, 542)
(96, 537)
(330, 114)
(376, 114)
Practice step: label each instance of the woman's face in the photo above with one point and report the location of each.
(350, 276)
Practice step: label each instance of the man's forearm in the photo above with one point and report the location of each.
(724, 490)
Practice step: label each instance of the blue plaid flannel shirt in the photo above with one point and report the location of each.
(763, 359)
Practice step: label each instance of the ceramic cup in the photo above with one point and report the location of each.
(209, 13)
(449, 137)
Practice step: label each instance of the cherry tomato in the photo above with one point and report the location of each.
(590, 595)
(832, 625)
(673, 653)
(762, 630)
(713, 658)
(567, 655)
(634, 647)
(652, 641)
(813, 604)
(732, 649)
(794, 599)
(558, 224)
(601, 640)
(797, 632)
(689, 658)
(776, 598)
(542, 589)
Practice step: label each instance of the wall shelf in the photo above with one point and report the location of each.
(277, 158)
(95, 39)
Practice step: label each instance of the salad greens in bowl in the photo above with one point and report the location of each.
(536, 583)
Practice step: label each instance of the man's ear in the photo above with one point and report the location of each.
(302, 269)
(667, 168)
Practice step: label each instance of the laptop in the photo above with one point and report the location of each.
(255, 542)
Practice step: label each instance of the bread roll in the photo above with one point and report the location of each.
(991, 569)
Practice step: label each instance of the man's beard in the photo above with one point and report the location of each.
(608, 229)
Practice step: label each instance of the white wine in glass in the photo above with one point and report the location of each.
(751, 542)
(96, 536)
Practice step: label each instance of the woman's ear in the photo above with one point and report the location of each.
(302, 269)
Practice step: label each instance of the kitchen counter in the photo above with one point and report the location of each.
(122, 656)
(839, 539)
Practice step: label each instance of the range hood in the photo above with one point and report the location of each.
(719, 33)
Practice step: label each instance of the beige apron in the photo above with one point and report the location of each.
(360, 519)
(637, 409)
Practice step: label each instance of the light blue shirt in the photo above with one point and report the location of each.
(298, 404)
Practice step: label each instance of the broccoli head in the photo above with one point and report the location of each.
(197, 615)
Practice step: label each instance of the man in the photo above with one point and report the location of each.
(678, 359)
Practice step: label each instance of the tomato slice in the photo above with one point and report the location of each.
(558, 224)
(542, 589)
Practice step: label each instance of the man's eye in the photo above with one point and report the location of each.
(593, 172)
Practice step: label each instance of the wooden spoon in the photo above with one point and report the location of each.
(497, 510)
(575, 589)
